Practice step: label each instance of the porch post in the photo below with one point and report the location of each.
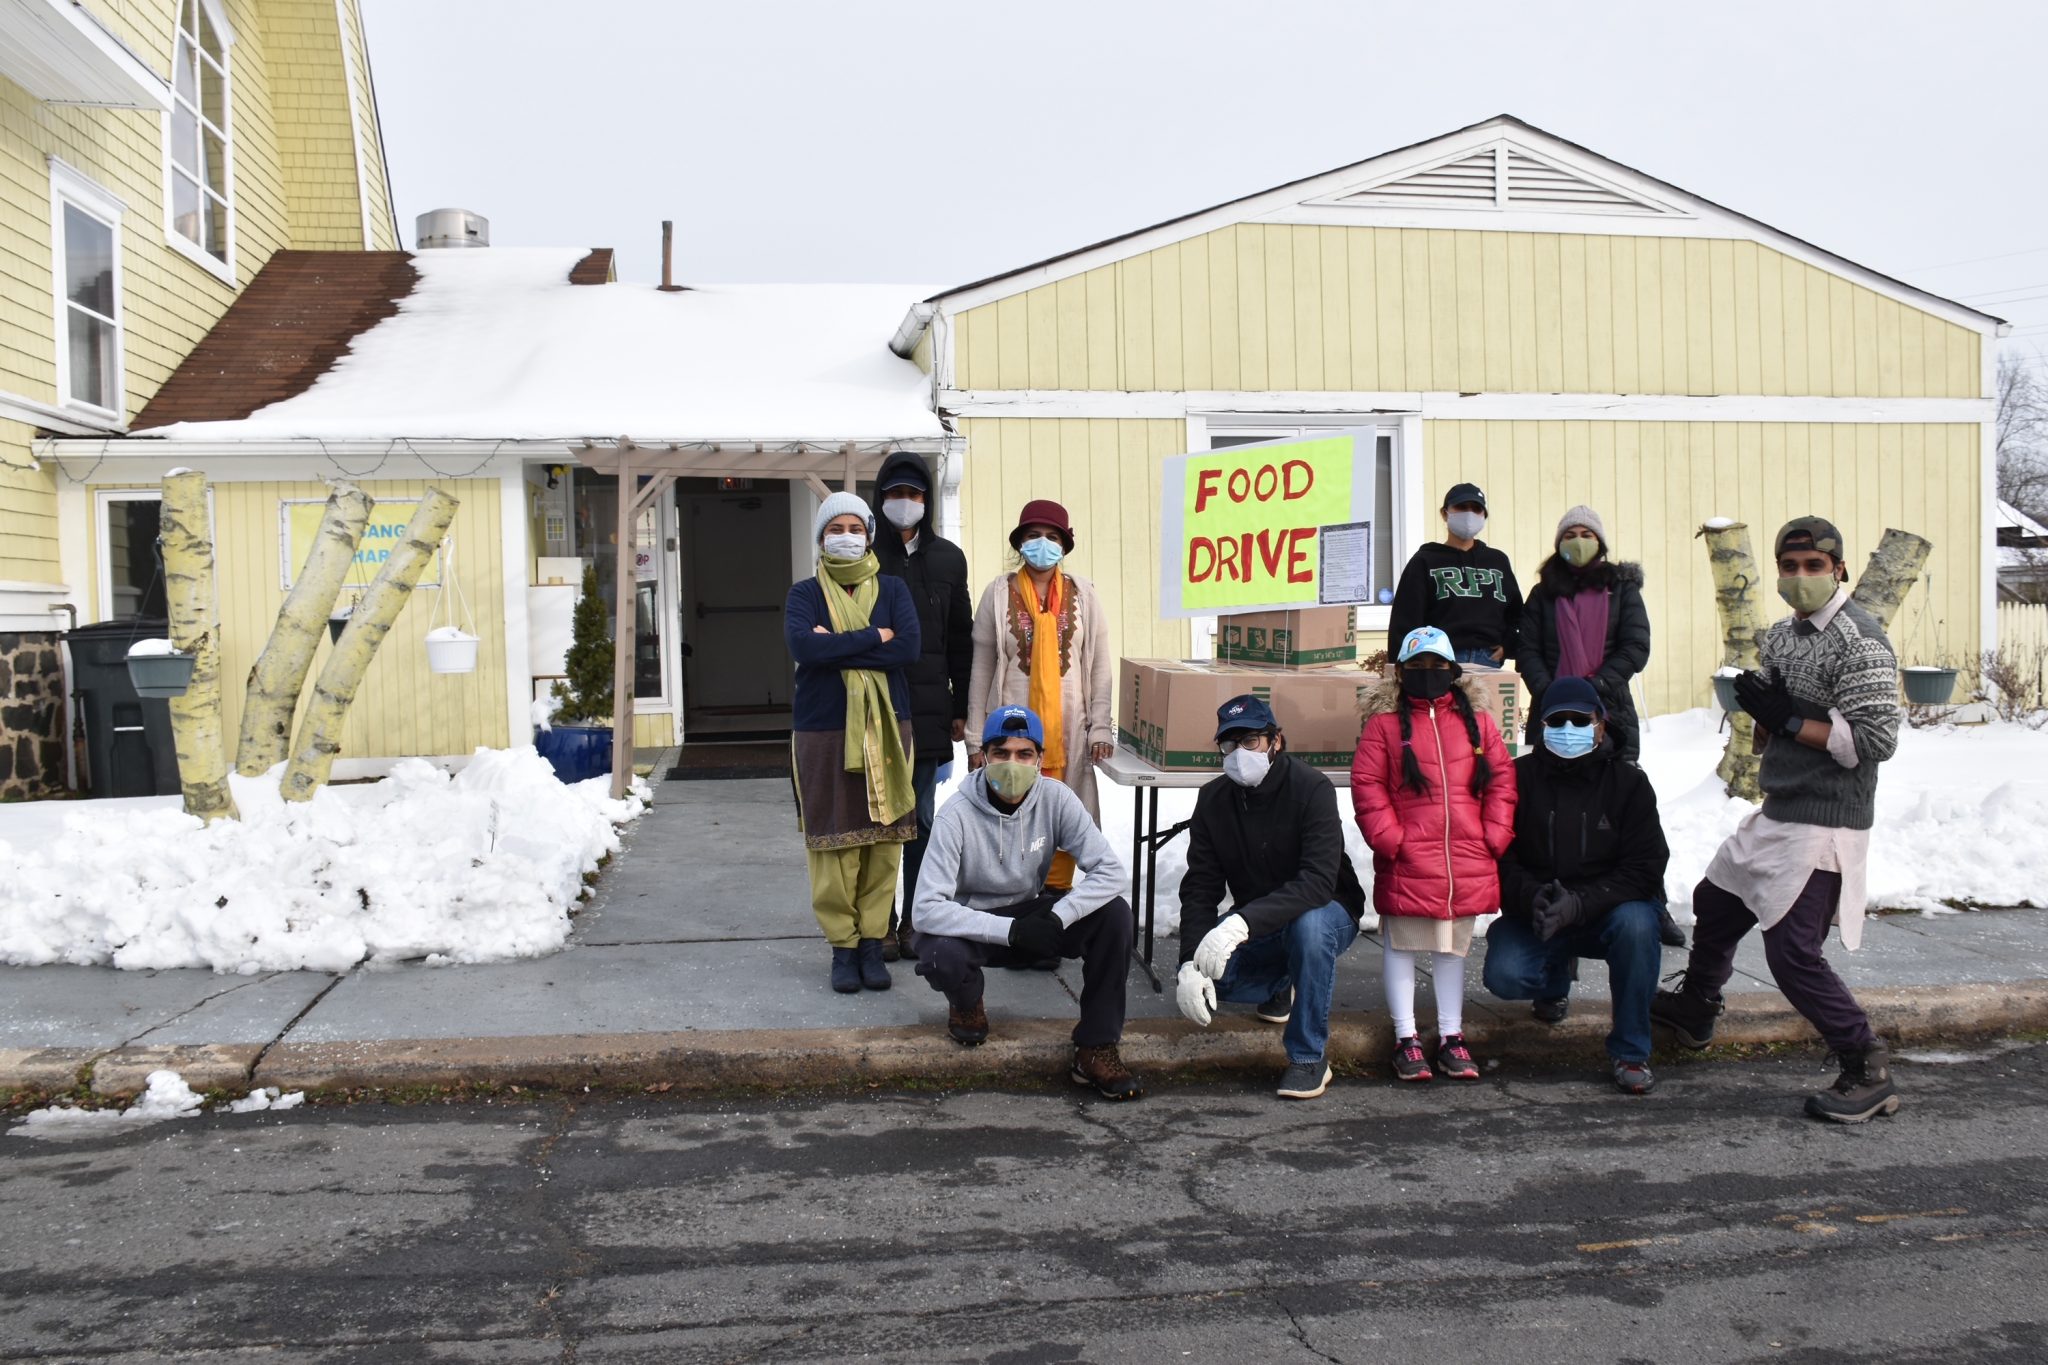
(625, 628)
(852, 479)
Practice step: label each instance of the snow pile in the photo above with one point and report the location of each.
(151, 649)
(168, 1097)
(256, 1101)
(479, 866)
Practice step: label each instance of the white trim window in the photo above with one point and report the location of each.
(130, 570)
(85, 245)
(200, 198)
(1397, 476)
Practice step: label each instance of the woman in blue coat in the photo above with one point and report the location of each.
(853, 633)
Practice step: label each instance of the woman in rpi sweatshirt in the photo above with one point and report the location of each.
(1462, 586)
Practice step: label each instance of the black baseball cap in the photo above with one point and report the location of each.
(1812, 533)
(904, 476)
(1246, 712)
(1465, 492)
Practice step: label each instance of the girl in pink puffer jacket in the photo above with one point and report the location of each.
(1435, 797)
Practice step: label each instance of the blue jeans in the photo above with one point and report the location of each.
(924, 774)
(1521, 967)
(1479, 656)
(1305, 955)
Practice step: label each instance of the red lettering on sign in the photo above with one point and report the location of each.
(1298, 570)
(1205, 487)
(1240, 485)
(1265, 482)
(1308, 479)
(1226, 558)
(1271, 548)
(1199, 568)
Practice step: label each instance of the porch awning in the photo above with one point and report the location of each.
(819, 465)
(58, 52)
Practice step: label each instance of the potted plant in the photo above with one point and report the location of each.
(158, 669)
(1929, 684)
(578, 744)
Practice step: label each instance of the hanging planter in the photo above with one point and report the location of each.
(338, 622)
(1724, 692)
(157, 669)
(450, 648)
(1929, 686)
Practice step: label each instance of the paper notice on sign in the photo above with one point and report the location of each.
(1344, 566)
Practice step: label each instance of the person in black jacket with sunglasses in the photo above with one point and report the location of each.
(1584, 877)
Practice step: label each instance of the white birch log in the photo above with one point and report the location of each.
(319, 737)
(196, 726)
(280, 670)
(1894, 568)
(1742, 627)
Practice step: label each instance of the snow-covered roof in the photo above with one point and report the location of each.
(497, 344)
(2011, 518)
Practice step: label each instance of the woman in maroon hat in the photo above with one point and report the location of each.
(1041, 640)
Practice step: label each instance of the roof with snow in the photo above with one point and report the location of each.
(500, 344)
(2011, 518)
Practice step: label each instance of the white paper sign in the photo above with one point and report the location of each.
(1344, 568)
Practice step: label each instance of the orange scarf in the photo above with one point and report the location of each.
(1044, 665)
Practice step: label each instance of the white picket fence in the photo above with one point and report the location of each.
(2023, 640)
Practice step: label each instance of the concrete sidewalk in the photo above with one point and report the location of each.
(698, 963)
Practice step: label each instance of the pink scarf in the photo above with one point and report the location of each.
(1581, 633)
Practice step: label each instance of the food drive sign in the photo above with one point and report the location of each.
(1240, 528)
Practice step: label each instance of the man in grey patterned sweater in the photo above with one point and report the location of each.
(1825, 703)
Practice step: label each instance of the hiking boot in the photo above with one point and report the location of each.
(1454, 1059)
(845, 971)
(1103, 1069)
(969, 1026)
(1409, 1062)
(1863, 1090)
(873, 973)
(1278, 1006)
(1633, 1078)
(906, 945)
(892, 948)
(1668, 932)
(1551, 1011)
(1304, 1080)
(1687, 1012)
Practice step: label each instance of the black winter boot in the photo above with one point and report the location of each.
(873, 974)
(1863, 1090)
(1688, 1013)
(1668, 932)
(845, 971)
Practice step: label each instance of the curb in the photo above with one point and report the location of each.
(1158, 1049)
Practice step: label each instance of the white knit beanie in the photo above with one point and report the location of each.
(838, 505)
(1580, 516)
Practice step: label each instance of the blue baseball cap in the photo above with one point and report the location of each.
(1244, 713)
(1573, 694)
(1008, 722)
(1426, 640)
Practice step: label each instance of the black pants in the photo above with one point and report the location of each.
(1792, 947)
(1101, 940)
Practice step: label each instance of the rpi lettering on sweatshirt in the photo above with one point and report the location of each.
(1469, 582)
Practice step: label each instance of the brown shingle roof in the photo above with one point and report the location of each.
(296, 318)
(596, 268)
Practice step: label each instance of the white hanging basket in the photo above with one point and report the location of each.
(450, 648)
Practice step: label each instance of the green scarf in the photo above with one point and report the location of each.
(874, 741)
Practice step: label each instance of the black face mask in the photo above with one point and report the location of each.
(1427, 684)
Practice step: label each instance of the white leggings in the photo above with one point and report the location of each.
(1398, 971)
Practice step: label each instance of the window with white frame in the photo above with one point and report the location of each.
(1391, 540)
(131, 567)
(85, 234)
(202, 180)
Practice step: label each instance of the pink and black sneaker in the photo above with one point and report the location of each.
(1409, 1062)
(1454, 1059)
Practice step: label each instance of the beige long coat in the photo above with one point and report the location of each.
(1087, 688)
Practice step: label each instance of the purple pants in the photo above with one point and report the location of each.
(1792, 947)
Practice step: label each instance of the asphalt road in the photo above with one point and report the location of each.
(1529, 1217)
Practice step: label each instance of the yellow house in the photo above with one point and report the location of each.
(1505, 307)
(154, 156)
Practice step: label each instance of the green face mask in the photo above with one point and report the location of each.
(1805, 593)
(1579, 551)
(1011, 781)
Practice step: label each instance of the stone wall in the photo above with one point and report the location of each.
(31, 716)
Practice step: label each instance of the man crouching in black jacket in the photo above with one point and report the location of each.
(1583, 878)
(1268, 832)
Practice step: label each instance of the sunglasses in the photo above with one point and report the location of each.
(1559, 719)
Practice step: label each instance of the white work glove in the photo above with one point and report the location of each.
(1195, 994)
(1212, 954)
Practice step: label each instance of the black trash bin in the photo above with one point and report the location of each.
(129, 749)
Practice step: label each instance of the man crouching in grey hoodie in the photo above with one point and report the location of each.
(982, 898)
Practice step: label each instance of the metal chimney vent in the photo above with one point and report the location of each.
(451, 227)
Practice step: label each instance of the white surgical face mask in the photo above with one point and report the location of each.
(1246, 767)
(1467, 525)
(845, 546)
(903, 513)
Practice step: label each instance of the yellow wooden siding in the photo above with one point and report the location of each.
(28, 512)
(1654, 483)
(654, 730)
(402, 708)
(1271, 307)
(1106, 474)
(921, 354)
(315, 141)
(370, 142)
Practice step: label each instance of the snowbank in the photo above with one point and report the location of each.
(479, 866)
(167, 1097)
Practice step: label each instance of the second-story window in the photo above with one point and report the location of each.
(201, 189)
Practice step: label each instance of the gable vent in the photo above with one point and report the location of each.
(1499, 177)
(1468, 181)
(1532, 184)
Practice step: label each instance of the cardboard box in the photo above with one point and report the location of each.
(1288, 639)
(1166, 711)
(1502, 688)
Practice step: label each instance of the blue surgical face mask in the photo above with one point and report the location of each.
(1569, 741)
(1041, 552)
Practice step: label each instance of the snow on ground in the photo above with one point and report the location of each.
(167, 1097)
(477, 866)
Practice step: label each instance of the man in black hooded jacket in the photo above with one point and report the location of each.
(936, 572)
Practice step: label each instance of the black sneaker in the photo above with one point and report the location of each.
(1863, 1091)
(1278, 1007)
(1688, 1013)
(1668, 932)
(1454, 1060)
(1411, 1063)
(1304, 1080)
(1633, 1078)
(1551, 1011)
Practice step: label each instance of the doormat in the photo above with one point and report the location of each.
(729, 762)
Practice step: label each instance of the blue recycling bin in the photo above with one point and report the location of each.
(576, 752)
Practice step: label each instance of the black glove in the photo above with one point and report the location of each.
(1555, 911)
(1037, 934)
(1767, 701)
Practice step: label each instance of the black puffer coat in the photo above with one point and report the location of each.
(937, 578)
(1628, 643)
(1590, 823)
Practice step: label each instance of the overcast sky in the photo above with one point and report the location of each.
(937, 143)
